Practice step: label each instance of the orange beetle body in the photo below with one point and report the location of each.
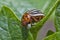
(26, 19)
(31, 16)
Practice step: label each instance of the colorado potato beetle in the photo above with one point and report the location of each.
(31, 16)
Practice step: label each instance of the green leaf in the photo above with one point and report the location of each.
(37, 27)
(57, 17)
(10, 28)
(50, 32)
(30, 36)
(55, 36)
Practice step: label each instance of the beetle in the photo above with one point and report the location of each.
(31, 17)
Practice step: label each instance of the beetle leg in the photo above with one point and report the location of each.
(34, 19)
